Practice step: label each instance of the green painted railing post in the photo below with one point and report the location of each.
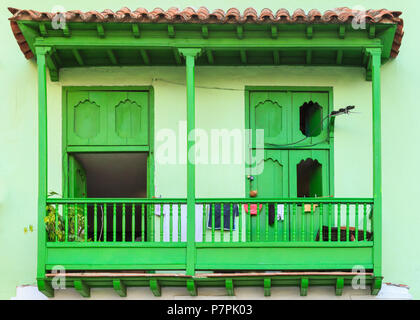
(190, 54)
(376, 54)
(41, 56)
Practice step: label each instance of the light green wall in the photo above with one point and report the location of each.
(218, 109)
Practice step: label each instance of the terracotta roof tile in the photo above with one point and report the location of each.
(218, 16)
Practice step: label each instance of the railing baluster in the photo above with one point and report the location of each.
(66, 223)
(329, 221)
(57, 207)
(321, 222)
(231, 223)
(105, 222)
(356, 233)
(171, 223)
(364, 222)
(85, 221)
(179, 222)
(95, 222)
(285, 220)
(339, 222)
(347, 222)
(204, 223)
(240, 222)
(294, 223)
(212, 223)
(123, 222)
(152, 215)
(267, 213)
(162, 216)
(276, 225)
(303, 214)
(114, 223)
(222, 223)
(248, 224)
(133, 222)
(143, 223)
(76, 216)
(258, 222)
(312, 223)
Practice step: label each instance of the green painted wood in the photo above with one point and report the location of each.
(377, 167)
(45, 288)
(190, 56)
(119, 287)
(42, 158)
(304, 284)
(267, 287)
(192, 288)
(376, 286)
(155, 288)
(339, 286)
(229, 287)
(82, 288)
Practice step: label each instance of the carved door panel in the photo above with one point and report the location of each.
(110, 118)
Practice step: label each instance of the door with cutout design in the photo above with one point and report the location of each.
(107, 118)
(273, 182)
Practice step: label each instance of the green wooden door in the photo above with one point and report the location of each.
(273, 182)
(77, 179)
(111, 118)
(271, 111)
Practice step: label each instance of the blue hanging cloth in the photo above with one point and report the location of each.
(226, 216)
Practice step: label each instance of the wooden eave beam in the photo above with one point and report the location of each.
(101, 30)
(340, 55)
(177, 56)
(119, 287)
(274, 31)
(112, 57)
(371, 31)
(171, 31)
(243, 56)
(229, 287)
(308, 57)
(309, 31)
(276, 57)
(240, 32)
(66, 30)
(267, 287)
(82, 288)
(43, 29)
(145, 56)
(342, 31)
(210, 57)
(192, 288)
(78, 57)
(52, 67)
(155, 287)
(136, 30)
(205, 32)
(304, 284)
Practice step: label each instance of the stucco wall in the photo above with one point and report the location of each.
(217, 109)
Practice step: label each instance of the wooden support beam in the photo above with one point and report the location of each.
(243, 56)
(136, 30)
(274, 31)
(171, 31)
(309, 31)
(82, 288)
(210, 57)
(119, 287)
(240, 32)
(155, 287)
(101, 31)
(304, 284)
(205, 32)
(177, 56)
(191, 287)
(376, 286)
(267, 287)
(339, 286)
(372, 31)
(308, 57)
(78, 57)
(229, 287)
(43, 29)
(145, 56)
(340, 54)
(112, 57)
(66, 30)
(46, 288)
(52, 67)
(276, 57)
(342, 31)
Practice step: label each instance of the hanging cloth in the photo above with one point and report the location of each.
(253, 209)
(226, 216)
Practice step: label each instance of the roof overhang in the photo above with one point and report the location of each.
(132, 38)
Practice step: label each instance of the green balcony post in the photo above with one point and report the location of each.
(41, 56)
(375, 54)
(190, 54)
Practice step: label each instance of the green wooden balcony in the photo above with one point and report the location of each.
(140, 241)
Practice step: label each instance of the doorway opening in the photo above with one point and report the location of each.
(118, 176)
(309, 179)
